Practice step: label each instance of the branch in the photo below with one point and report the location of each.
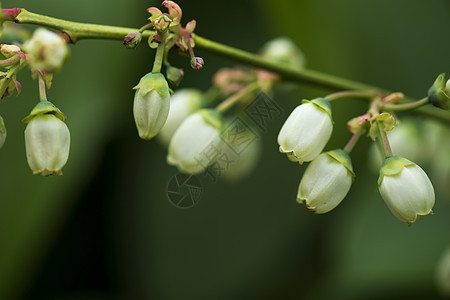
(79, 31)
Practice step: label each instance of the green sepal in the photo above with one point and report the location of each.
(322, 104)
(343, 158)
(212, 117)
(44, 108)
(153, 81)
(388, 122)
(392, 166)
(437, 95)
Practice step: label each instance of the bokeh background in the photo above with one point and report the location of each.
(106, 230)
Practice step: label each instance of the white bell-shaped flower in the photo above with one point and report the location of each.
(183, 103)
(151, 105)
(47, 51)
(326, 181)
(196, 143)
(47, 140)
(306, 131)
(406, 189)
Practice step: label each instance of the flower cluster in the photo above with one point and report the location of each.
(193, 124)
(404, 186)
(47, 138)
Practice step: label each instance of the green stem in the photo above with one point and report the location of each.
(383, 142)
(239, 96)
(78, 31)
(42, 88)
(145, 27)
(169, 46)
(369, 95)
(406, 106)
(157, 64)
(353, 140)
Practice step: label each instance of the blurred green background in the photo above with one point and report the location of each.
(105, 230)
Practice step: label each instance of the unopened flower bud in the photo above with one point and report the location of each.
(132, 39)
(306, 131)
(9, 50)
(174, 75)
(197, 63)
(285, 51)
(406, 189)
(326, 181)
(183, 103)
(439, 93)
(151, 105)
(196, 143)
(47, 140)
(2, 132)
(47, 50)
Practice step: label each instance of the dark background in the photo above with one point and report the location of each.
(105, 230)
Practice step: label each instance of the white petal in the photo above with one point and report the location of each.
(150, 113)
(47, 141)
(408, 194)
(193, 144)
(324, 185)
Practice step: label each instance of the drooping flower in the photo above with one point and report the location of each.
(47, 139)
(183, 103)
(326, 181)
(306, 131)
(196, 143)
(406, 189)
(151, 105)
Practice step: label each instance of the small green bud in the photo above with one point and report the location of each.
(439, 93)
(151, 104)
(174, 75)
(197, 63)
(132, 40)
